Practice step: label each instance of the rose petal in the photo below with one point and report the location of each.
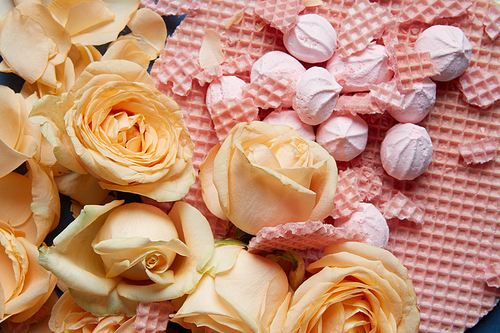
(194, 230)
(83, 188)
(208, 190)
(210, 50)
(150, 28)
(127, 49)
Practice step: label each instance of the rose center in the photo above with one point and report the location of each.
(129, 131)
(156, 262)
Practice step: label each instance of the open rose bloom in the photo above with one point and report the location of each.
(355, 288)
(114, 256)
(24, 284)
(116, 126)
(264, 175)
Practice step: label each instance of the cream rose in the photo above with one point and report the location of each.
(19, 139)
(264, 175)
(241, 292)
(67, 316)
(24, 284)
(115, 125)
(355, 288)
(114, 256)
(30, 203)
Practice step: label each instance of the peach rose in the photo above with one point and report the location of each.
(264, 175)
(30, 203)
(67, 316)
(114, 256)
(356, 287)
(19, 139)
(241, 292)
(24, 284)
(115, 125)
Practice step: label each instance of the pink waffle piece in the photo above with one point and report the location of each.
(280, 14)
(444, 254)
(365, 21)
(152, 316)
(227, 113)
(402, 207)
(409, 66)
(387, 96)
(239, 65)
(492, 275)
(479, 151)
(301, 236)
(359, 103)
(269, 91)
(492, 22)
(176, 72)
(480, 87)
(347, 196)
(429, 10)
(171, 7)
(369, 183)
(209, 74)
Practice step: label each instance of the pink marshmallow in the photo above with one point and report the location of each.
(312, 40)
(344, 137)
(357, 72)
(291, 118)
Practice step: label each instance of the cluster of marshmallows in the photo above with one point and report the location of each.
(406, 151)
(407, 148)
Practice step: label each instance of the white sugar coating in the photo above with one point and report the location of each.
(357, 72)
(291, 118)
(317, 94)
(226, 87)
(368, 221)
(417, 102)
(312, 40)
(344, 137)
(450, 50)
(280, 64)
(406, 151)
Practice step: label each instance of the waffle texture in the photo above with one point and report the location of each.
(449, 253)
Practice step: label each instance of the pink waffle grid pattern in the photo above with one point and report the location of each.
(448, 254)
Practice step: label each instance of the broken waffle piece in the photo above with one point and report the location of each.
(492, 22)
(480, 87)
(228, 112)
(300, 236)
(387, 96)
(175, 72)
(359, 103)
(427, 11)
(347, 196)
(479, 151)
(492, 275)
(152, 316)
(280, 14)
(401, 207)
(365, 21)
(270, 91)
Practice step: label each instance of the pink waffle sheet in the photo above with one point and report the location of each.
(453, 253)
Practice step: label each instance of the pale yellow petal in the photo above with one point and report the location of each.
(312, 3)
(15, 199)
(14, 41)
(210, 50)
(105, 33)
(208, 190)
(5, 6)
(235, 19)
(150, 28)
(83, 188)
(127, 49)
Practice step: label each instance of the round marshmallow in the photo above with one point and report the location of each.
(344, 137)
(367, 220)
(291, 118)
(450, 50)
(226, 87)
(312, 40)
(406, 151)
(417, 102)
(358, 71)
(317, 94)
